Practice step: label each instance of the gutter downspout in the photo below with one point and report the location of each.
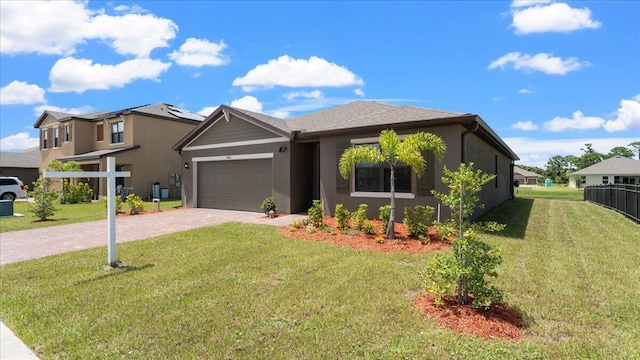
(463, 145)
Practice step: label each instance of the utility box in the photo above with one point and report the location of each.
(6, 208)
(548, 182)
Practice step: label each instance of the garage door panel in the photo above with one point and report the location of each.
(235, 185)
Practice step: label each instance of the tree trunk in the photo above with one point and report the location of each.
(390, 230)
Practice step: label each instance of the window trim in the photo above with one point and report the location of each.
(67, 133)
(56, 137)
(45, 139)
(381, 194)
(111, 125)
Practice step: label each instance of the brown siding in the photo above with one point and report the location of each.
(235, 129)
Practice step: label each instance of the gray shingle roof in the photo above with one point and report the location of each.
(25, 159)
(364, 113)
(618, 165)
(523, 172)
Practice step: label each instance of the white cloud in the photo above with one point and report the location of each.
(539, 62)
(628, 116)
(132, 34)
(536, 152)
(526, 91)
(525, 125)
(38, 110)
(315, 94)
(524, 3)
(19, 141)
(207, 110)
(135, 9)
(20, 92)
(289, 72)
(577, 122)
(555, 17)
(59, 27)
(499, 98)
(79, 75)
(358, 92)
(247, 103)
(200, 52)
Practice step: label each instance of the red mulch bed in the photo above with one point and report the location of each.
(401, 243)
(497, 322)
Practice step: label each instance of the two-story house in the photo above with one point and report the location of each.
(140, 138)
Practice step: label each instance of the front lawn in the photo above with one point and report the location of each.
(68, 214)
(245, 291)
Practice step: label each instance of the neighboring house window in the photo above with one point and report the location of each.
(67, 133)
(632, 181)
(120, 180)
(377, 177)
(117, 132)
(100, 132)
(56, 137)
(616, 179)
(605, 179)
(45, 139)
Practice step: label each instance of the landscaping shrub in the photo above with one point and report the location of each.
(136, 205)
(417, 220)
(385, 214)
(73, 194)
(119, 203)
(342, 217)
(368, 228)
(269, 204)
(445, 230)
(316, 214)
(359, 216)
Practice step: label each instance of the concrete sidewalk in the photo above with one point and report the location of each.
(37, 243)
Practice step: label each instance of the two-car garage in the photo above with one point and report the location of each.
(235, 182)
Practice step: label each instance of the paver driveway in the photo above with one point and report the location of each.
(32, 244)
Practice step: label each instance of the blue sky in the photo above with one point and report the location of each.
(547, 76)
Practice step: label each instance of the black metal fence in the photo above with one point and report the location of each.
(619, 197)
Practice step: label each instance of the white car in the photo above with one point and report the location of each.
(12, 188)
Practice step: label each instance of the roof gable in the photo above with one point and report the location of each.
(617, 165)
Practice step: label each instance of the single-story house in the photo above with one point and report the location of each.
(236, 158)
(615, 170)
(139, 138)
(525, 177)
(23, 164)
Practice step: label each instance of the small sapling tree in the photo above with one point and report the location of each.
(472, 260)
(44, 199)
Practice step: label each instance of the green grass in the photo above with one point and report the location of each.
(555, 192)
(244, 291)
(67, 214)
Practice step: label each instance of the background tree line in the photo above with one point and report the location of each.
(559, 167)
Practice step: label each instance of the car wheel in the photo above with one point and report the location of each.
(8, 196)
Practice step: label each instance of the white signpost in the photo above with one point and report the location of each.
(111, 174)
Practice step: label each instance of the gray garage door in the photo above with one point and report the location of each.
(234, 185)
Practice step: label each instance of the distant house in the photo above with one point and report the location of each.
(236, 158)
(615, 170)
(23, 165)
(140, 138)
(525, 177)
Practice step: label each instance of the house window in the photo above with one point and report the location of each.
(100, 132)
(67, 133)
(117, 132)
(377, 177)
(605, 179)
(616, 179)
(56, 137)
(45, 139)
